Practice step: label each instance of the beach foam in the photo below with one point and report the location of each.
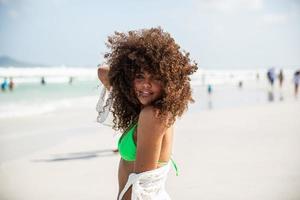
(23, 109)
(53, 74)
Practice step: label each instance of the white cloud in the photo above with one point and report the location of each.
(275, 18)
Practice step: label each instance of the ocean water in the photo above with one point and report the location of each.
(30, 97)
(33, 98)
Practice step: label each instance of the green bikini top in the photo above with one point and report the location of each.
(127, 146)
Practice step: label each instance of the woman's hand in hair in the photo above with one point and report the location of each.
(103, 75)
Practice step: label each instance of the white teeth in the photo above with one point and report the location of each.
(145, 93)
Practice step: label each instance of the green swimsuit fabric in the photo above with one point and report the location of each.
(127, 146)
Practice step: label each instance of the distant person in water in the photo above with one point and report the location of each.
(271, 76)
(70, 80)
(280, 78)
(296, 82)
(4, 84)
(11, 84)
(43, 82)
(257, 76)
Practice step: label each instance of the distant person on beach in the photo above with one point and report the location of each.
(150, 86)
(296, 82)
(11, 84)
(271, 76)
(4, 84)
(280, 78)
(240, 84)
(209, 89)
(43, 82)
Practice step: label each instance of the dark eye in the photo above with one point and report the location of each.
(139, 76)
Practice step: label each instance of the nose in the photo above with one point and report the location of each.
(147, 84)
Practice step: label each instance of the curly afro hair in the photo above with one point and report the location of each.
(155, 51)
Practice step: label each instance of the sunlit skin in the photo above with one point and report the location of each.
(103, 76)
(150, 87)
(147, 87)
(155, 140)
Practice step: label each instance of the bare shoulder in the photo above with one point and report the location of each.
(149, 120)
(149, 112)
(150, 132)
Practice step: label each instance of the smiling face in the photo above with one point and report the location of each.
(147, 87)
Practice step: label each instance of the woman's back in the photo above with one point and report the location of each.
(128, 167)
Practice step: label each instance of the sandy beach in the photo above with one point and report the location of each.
(238, 140)
(249, 152)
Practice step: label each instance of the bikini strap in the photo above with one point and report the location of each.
(175, 166)
(173, 163)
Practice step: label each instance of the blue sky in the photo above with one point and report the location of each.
(217, 33)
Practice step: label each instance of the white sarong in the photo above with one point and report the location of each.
(149, 185)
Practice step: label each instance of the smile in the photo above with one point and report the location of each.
(145, 93)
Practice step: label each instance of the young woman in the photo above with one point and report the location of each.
(148, 76)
